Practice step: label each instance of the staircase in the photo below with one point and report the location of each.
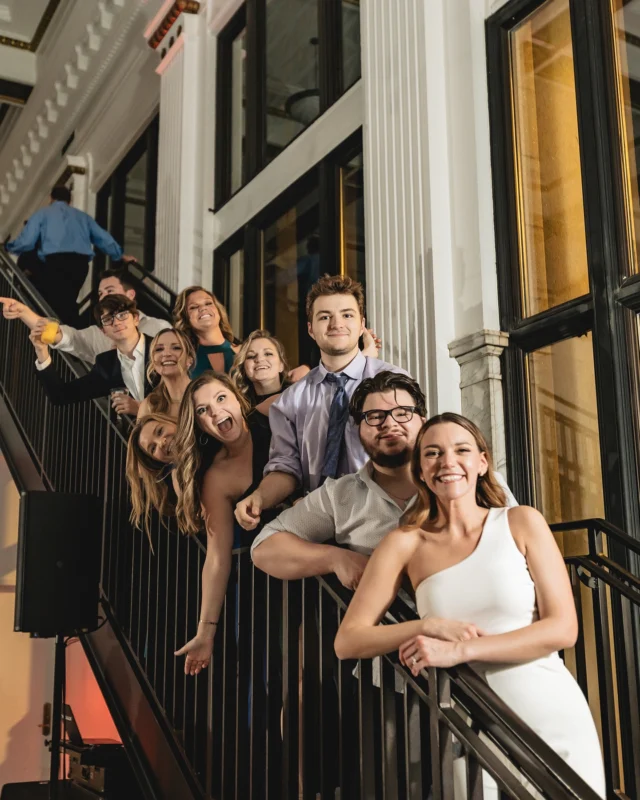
(277, 715)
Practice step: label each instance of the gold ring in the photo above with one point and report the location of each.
(414, 661)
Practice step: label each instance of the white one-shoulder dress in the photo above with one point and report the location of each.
(492, 588)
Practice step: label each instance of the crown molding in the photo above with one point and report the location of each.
(96, 38)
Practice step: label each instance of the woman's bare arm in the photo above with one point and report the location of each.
(556, 628)
(218, 511)
(360, 635)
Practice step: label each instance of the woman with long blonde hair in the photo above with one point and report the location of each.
(201, 316)
(491, 588)
(171, 356)
(150, 456)
(223, 448)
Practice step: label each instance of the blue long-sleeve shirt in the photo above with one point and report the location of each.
(59, 228)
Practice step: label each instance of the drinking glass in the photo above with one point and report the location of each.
(113, 393)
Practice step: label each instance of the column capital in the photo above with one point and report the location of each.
(159, 31)
(478, 345)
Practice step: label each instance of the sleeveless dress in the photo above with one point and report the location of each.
(492, 588)
(218, 357)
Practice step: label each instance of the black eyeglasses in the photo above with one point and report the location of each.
(109, 319)
(377, 416)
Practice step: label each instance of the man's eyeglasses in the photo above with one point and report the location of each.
(109, 319)
(376, 417)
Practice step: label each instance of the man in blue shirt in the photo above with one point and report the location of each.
(65, 238)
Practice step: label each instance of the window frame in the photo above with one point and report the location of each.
(252, 16)
(605, 310)
(114, 188)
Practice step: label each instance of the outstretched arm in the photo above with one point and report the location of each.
(14, 309)
(218, 512)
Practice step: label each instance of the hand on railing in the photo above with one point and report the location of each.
(441, 647)
(348, 567)
(198, 652)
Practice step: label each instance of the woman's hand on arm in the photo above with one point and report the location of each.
(218, 513)
(557, 626)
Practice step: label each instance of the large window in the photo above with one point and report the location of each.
(126, 204)
(281, 64)
(263, 272)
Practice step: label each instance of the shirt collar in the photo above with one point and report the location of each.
(138, 350)
(365, 475)
(354, 369)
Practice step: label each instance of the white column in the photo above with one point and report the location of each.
(179, 218)
(408, 227)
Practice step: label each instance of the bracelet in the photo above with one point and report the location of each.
(206, 622)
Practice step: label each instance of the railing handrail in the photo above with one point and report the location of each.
(150, 276)
(603, 525)
(543, 762)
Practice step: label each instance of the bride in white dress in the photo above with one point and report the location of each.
(491, 589)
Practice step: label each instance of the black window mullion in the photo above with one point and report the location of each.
(595, 88)
(151, 193)
(331, 76)
(330, 222)
(256, 72)
(252, 283)
(222, 178)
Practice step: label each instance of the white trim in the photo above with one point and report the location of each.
(221, 15)
(310, 147)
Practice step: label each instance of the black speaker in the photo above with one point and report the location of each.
(58, 569)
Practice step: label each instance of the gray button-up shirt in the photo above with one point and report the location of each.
(353, 509)
(299, 422)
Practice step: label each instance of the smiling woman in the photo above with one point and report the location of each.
(171, 357)
(200, 315)
(222, 451)
(149, 460)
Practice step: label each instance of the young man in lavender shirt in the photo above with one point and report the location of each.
(312, 436)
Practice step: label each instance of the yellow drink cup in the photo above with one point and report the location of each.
(50, 332)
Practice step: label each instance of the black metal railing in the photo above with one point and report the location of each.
(606, 658)
(276, 715)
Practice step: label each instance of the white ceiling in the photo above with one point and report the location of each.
(19, 19)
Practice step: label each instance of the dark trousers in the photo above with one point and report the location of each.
(60, 281)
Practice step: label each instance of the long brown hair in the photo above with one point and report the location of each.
(181, 315)
(197, 451)
(158, 399)
(146, 476)
(238, 374)
(489, 493)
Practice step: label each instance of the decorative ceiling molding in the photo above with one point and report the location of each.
(70, 90)
(40, 31)
(165, 19)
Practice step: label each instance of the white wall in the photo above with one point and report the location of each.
(26, 665)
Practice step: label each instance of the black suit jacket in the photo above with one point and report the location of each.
(104, 376)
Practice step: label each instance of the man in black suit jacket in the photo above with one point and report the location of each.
(124, 366)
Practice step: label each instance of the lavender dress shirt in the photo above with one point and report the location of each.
(299, 422)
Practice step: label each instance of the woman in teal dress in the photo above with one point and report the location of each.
(200, 315)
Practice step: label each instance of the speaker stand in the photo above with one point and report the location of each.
(56, 715)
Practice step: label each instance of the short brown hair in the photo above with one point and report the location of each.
(335, 284)
(111, 304)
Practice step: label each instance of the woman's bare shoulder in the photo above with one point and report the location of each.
(402, 542)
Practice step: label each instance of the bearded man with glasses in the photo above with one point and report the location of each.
(354, 512)
(124, 367)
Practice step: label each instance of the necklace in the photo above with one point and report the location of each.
(400, 500)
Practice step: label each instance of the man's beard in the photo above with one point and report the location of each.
(389, 460)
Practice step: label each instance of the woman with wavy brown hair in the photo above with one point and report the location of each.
(223, 449)
(150, 456)
(491, 588)
(199, 314)
(171, 356)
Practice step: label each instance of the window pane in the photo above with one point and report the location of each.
(291, 266)
(293, 96)
(238, 99)
(565, 435)
(626, 26)
(352, 187)
(135, 203)
(553, 258)
(350, 41)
